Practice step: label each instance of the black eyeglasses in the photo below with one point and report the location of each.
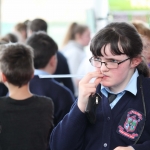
(96, 62)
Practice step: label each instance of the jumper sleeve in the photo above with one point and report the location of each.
(69, 133)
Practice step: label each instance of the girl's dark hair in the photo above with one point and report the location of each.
(123, 39)
(74, 29)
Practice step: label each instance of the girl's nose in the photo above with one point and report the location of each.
(104, 68)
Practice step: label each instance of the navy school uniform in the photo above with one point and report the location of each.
(120, 126)
(3, 90)
(61, 96)
(63, 68)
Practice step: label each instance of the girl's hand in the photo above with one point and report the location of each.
(86, 88)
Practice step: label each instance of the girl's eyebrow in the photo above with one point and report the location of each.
(106, 58)
(109, 59)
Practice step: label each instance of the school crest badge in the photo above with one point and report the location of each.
(131, 124)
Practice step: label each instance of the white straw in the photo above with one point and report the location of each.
(61, 76)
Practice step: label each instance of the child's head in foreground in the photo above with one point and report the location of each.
(16, 64)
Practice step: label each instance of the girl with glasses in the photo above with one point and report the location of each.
(121, 123)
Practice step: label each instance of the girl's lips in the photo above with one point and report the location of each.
(104, 77)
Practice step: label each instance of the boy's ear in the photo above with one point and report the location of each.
(32, 76)
(3, 78)
(52, 61)
(136, 61)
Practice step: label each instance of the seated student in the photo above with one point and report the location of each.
(62, 65)
(26, 120)
(45, 62)
(123, 110)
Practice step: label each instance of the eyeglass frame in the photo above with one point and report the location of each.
(109, 61)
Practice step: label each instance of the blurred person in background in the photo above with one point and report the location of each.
(62, 65)
(45, 63)
(84, 68)
(144, 31)
(77, 37)
(20, 30)
(37, 25)
(10, 37)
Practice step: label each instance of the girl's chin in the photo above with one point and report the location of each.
(106, 84)
(105, 80)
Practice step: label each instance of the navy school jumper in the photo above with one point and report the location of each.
(74, 132)
(3, 90)
(63, 68)
(61, 95)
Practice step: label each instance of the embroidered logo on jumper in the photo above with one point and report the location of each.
(131, 124)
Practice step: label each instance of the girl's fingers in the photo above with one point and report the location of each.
(88, 89)
(89, 85)
(97, 81)
(89, 76)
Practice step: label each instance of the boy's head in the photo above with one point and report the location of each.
(45, 50)
(37, 25)
(16, 64)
